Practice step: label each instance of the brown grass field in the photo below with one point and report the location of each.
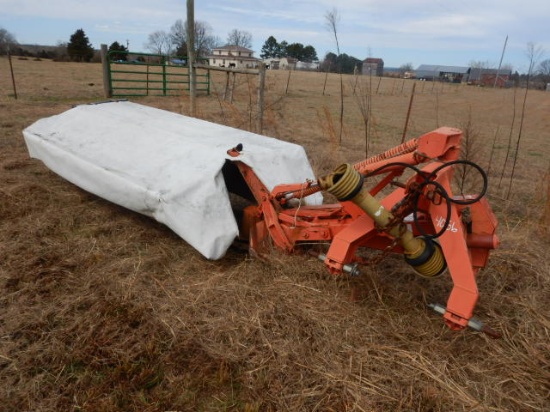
(102, 309)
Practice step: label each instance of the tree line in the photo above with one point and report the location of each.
(174, 42)
(273, 49)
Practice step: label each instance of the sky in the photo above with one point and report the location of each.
(398, 31)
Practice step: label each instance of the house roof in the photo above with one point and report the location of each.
(373, 60)
(229, 47)
(231, 57)
(433, 68)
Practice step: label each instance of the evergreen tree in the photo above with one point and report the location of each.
(309, 54)
(79, 48)
(295, 50)
(282, 49)
(118, 52)
(270, 48)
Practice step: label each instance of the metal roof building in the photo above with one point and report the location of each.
(455, 74)
(489, 77)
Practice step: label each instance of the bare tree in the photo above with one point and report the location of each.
(480, 64)
(543, 70)
(178, 37)
(332, 19)
(7, 40)
(205, 41)
(239, 38)
(159, 42)
(534, 53)
(404, 68)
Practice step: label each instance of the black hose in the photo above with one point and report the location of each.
(428, 180)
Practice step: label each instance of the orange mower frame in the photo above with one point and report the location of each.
(421, 219)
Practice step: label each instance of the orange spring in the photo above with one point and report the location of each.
(404, 148)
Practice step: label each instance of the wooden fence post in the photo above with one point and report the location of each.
(106, 72)
(408, 114)
(12, 75)
(191, 56)
(261, 87)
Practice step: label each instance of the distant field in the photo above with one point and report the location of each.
(102, 309)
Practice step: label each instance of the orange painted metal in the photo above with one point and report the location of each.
(345, 227)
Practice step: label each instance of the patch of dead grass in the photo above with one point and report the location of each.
(105, 310)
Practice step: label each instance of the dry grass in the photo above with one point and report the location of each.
(105, 310)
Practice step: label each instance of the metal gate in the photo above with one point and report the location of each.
(142, 74)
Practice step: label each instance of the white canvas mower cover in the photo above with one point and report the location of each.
(162, 164)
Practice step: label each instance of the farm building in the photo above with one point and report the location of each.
(453, 74)
(233, 56)
(314, 65)
(489, 77)
(281, 63)
(373, 66)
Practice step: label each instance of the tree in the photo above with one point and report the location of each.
(205, 41)
(282, 49)
(295, 50)
(239, 38)
(534, 53)
(270, 49)
(332, 18)
(7, 41)
(310, 54)
(404, 68)
(159, 42)
(480, 64)
(79, 47)
(118, 52)
(347, 64)
(301, 52)
(329, 62)
(544, 70)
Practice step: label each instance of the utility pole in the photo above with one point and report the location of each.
(191, 55)
(500, 63)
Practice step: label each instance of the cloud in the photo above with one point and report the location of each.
(92, 9)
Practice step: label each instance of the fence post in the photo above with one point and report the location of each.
(164, 62)
(107, 88)
(261, 87)
(408, 114)
(12, 75)
(226, 91)
(191, 56)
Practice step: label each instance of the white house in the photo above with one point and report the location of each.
(281, 63)
(233, 56)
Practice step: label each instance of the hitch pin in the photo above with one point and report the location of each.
(473, 323)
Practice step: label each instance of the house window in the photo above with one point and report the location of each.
(213, 61)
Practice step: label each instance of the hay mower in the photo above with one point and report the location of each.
(435, 230)
(179, 171)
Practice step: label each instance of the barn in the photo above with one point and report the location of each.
(452, 74)
(489, 77)
(373, 66)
